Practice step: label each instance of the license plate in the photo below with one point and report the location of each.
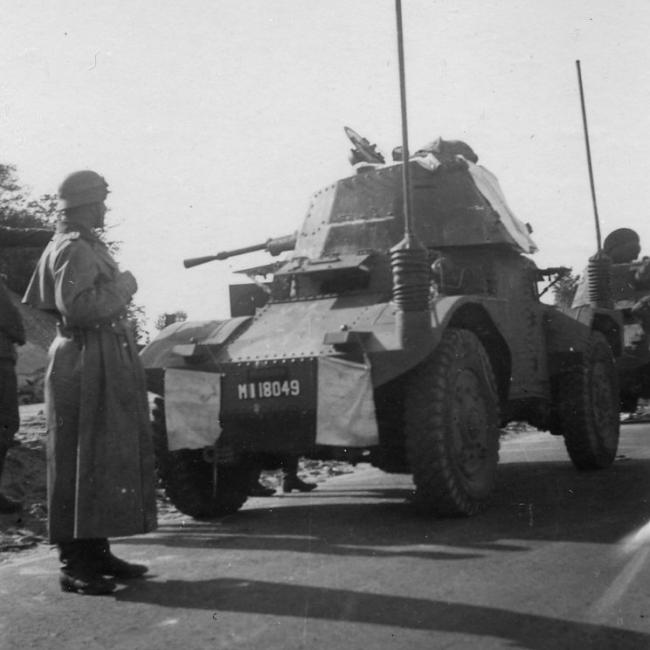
(268, 389)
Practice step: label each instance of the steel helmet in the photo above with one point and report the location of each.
(622, 245)
(82, 188)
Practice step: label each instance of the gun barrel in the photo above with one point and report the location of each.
(274, 246)
(195, 261)
(240, 251)
(278, 245)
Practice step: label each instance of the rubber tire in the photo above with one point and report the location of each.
(588, 407)
(450, 396)
(187, 478)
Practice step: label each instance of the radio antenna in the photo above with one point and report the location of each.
(591, 172)
(409, 259)
(406, 180)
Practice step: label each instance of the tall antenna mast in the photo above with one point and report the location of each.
(406, 178)
(599, 268)
(591, 172)
(409, 259)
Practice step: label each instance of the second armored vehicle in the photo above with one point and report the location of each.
(626, 280)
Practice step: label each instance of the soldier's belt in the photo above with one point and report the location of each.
(116, 326)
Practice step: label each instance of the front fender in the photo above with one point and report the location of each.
(390, 359)
(165, 350)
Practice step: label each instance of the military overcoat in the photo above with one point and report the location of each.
(12, 332)
(99, 447)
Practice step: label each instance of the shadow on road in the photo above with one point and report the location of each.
(533, 502)
(276, 599)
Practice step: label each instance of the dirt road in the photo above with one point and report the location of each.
(559, 561)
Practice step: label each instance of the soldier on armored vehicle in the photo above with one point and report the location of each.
(362, 348)
(630, 292)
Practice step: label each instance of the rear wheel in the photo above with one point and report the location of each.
(588, 407)
(188, 479)
(452, 426)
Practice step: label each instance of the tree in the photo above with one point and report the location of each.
(170, 318)
(138, 319)
(564, 290)
(18, 210)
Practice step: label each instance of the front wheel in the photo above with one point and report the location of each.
(588, 407)
(188, 479)
(452, 426)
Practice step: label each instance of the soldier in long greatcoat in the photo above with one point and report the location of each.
(100, 454)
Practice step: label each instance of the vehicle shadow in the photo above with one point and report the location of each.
(522, 630)
(533, 501)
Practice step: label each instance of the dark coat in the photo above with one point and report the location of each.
(100, 453)
(12, 332)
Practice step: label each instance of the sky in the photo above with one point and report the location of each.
(214, 121)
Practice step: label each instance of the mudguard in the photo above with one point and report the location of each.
(178, 341)
(569, 330)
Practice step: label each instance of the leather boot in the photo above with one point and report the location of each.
(294, 483)
(85, 582)
(107, 564)
(78, 573)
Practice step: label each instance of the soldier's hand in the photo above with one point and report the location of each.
(642, 274)
(128, 282)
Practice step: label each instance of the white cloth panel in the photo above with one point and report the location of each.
(192, 408)
(345, 414)
(488, 186)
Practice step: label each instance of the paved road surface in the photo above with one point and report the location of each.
(560, 561)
